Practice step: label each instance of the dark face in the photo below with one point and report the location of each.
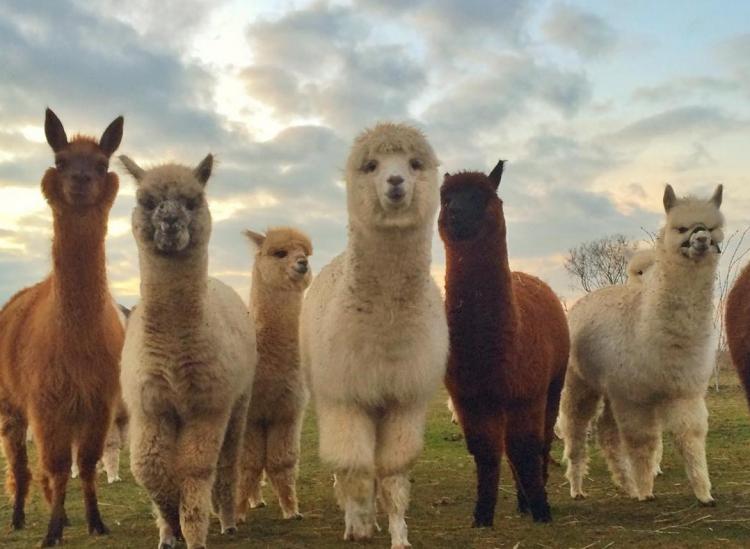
(82, 172)
(169, 218)
(462, 211)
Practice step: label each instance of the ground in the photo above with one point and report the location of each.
(443, 497)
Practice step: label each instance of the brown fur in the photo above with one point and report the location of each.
(509, 347)
(60, 344)
(274, 422)
(738, 327)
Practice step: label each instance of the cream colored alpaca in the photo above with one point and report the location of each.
(373, 331)
(188, 360)
(274, 423)
(639, 265)
(648, 350)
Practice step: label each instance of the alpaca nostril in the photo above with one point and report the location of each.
(395, 180)
(302, 261)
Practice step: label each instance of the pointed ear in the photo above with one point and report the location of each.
(716, 198)
(133, 169)
(256, 238)
(112, 136)
(497, 173)
(670, 199)
(203, 170)
(54, 131)
(446, 175)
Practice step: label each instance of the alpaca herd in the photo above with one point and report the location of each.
(211, 393)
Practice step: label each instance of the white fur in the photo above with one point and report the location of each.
(639, 265)
(373, 331)
(648, 349)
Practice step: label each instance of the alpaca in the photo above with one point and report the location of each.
(272, 437)
(60, 340)
(373, 333)
(737, 321)
(508, 346)
(639, 265)
(647, 350)
(188, 360)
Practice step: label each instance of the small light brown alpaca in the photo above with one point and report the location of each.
(60, 340)
(272, 438)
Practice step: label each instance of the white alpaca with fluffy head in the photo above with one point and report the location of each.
(188, 360)
(373, 331)
(648, 350)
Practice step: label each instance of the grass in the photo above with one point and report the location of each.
(443, 497)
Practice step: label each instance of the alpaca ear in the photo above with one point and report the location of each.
(670, 199)
(716, 198)
(203, 170)
(133, 169)
(112, 136)
(256, 238)
(446, 175)
(497, 174)
(54, 131)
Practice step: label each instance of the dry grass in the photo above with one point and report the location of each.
(443, 495)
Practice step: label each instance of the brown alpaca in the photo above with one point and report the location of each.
(509, 346)
(274, 422)
(738, 327)
(60, 340)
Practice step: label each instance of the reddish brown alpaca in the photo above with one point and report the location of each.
(738, 327)
(509, 346)
(60, 340)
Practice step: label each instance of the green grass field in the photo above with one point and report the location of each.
(443, 497)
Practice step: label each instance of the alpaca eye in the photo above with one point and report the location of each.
(682, 230)
(191, 204)
(147, 202)
(370, 166)
(281, 254)
(60, 163)
(416, 164)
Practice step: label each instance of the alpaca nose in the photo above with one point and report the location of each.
(81, 178)
(302, 265)
(395, 180)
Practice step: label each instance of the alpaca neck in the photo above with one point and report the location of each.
(479, 297)
(276, 313)
(173, 289)
(80, 275)
(681, 289)
(389, 263)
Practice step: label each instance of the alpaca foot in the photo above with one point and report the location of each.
(710, 502)
(65, 520)
(241, 519)
(541, 513)
(257, 504)
(97, 526)
(648, 497)
(523, 504)
(401, 546)
(360, 532)
(230, 531)
(293, 516)
(19, 519)
(113, 479)
(578, 495)
(51, 540)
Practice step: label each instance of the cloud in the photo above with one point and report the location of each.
(685, 88)
(585, 33)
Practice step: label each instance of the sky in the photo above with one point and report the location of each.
(595, 105)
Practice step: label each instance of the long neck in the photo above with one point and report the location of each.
(276, 312)
(479, 296)
(389, 263)
(79, 269)
(173, 289)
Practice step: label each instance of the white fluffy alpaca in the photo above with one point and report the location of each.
(639, 265)
(373, 332)
(648, 350)
(188, 360)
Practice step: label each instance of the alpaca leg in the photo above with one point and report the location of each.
(13, 428)
(227, 472)
(577, 408)
(484, 439)
(609, 439)
(688, 420)
(152, 451)
(347, 442)
(281, 464)
(252, 460)
(554, 393)
(54, 443)
(658, 457)
(197, 454)
(400, 438)
(90, 447)
(111, 455)
(639, 430)
(524, 445)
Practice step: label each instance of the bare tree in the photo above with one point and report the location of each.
(600, 263)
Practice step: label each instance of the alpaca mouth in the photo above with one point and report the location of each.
(396, 194)
(172, 241)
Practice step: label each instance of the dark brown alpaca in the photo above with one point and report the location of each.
(60, 340)
(738, 327)
(509, 346)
